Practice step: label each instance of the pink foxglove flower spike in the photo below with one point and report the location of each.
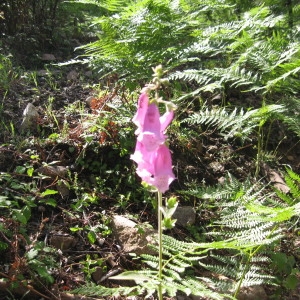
(153, 157)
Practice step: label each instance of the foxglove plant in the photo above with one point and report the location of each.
(152, 155)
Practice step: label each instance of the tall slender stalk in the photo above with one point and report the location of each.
(160, 246)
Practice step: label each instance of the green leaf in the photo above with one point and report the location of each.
(26, 211)
(168, 223)
(42, 271)
(17, 185)
(30, 171)
(92, 237)
(49, 192)
(3, 246)
(75, 229)
(291, 282)
(19, 216)
(50, 201)
(172, 202)
(4, 202)
(32, 253)
(20, 169)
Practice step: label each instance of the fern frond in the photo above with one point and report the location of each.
(225, 270)
(230, 189)
(239, 124)
(97, 290)
(235, 124)
(293, 175)
(292, 180)
(110, 5)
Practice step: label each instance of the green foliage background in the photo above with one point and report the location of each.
(233, 71)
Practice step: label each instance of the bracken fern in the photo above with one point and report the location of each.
(250, 224)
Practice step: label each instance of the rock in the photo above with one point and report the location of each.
(53, 171)
(98, 274)
(72, 75)
(62, 241)
(222, 180)
(278, 182)
(255, 292)
(30, 118)
(48, 57)
(88, 74)
(276, 179)
(42, 73)
(216, 167)
(185, 215)
(129, 237)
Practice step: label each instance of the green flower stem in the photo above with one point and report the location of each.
(160, 246)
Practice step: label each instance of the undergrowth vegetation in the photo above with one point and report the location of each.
(232, 70)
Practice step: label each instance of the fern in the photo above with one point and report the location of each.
(253, 221)
(96, 290)
(235, 124)
(237, 256)
(293, 182)
(291, 118)
(230, 189)
(110, 5)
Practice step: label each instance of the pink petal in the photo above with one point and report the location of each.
(162, 182)
(151, 135)
(151, 122)
(139, 117)
(166, 119)
(163, 174)
(144, 159)
(151, 140)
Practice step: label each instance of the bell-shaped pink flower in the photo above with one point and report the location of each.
(139, 117)
(166, 119)
(144, 160)
(163, 174)
(151, 135)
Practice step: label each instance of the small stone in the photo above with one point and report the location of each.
(89, 74)
(185, 216)
(42, 73)
(98, 274)
(216, 167)
(62, 241)
(130, 238)
(72, 75)
(221, 180)
(30, 118)
(121, 222)
(48, 57)
(53, 171)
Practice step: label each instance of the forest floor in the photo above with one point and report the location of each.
(59, 95)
